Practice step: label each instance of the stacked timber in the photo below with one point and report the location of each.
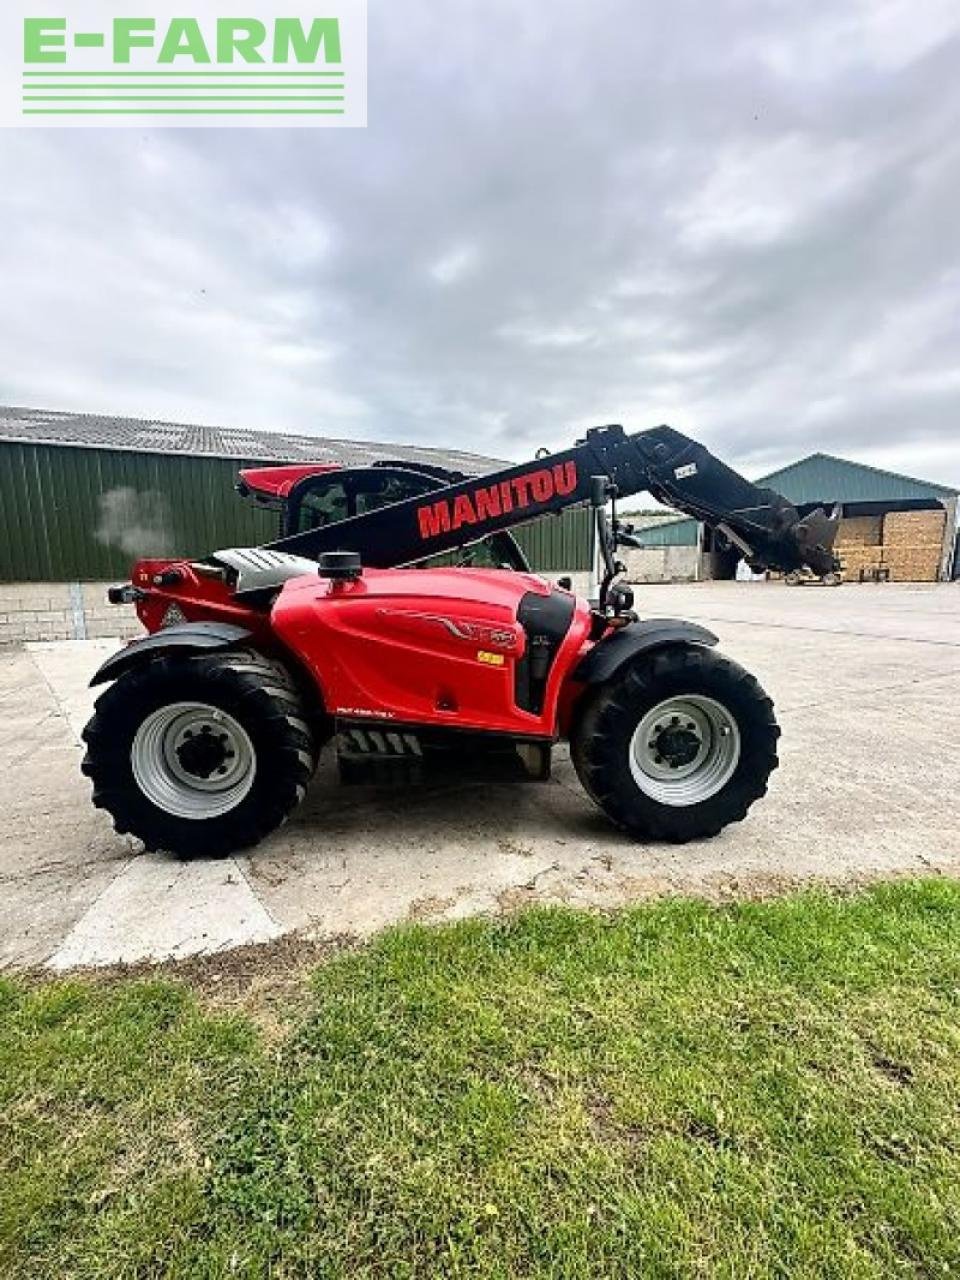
(913, 544)
(859, 544)
(906, 543)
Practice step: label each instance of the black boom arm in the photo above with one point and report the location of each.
(765, 527)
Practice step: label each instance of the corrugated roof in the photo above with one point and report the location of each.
(822, 477)
(97, 431)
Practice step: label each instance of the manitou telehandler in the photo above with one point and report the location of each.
(210, 730)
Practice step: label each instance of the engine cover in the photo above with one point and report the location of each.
(469, 648)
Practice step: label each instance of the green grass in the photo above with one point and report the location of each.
(766, 1089)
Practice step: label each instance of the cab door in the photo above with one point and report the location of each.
(319, 500)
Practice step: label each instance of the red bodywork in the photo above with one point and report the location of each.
(276, 482)
(433, 647)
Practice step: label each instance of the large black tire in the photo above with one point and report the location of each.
(274, 742)
(604, 746)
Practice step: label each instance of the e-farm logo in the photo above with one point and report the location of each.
(228, 62)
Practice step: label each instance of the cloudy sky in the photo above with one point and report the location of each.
(741, 217)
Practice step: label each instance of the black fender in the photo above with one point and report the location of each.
(191, 637)
(611, 653)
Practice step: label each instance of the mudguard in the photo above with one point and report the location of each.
(608, 655)
(193, 637)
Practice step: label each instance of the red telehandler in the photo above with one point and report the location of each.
(211, 727)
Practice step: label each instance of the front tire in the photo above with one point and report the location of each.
(677, 746)
(200, 755)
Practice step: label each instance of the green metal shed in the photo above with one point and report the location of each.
(81, 496)
(682, 532)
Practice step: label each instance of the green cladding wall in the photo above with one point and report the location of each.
(69, 514)
(670, 533)
(556, 543)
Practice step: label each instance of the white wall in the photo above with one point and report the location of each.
(62, 611)
(661, 564)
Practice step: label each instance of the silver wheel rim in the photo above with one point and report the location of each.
(193, 760)
(685, 750)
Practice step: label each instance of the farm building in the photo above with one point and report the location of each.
(891, 523)
(82, 495)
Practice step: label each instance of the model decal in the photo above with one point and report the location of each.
(462, 628)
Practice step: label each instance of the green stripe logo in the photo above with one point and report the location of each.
(259, 68)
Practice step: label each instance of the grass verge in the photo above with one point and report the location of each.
(676, 1089)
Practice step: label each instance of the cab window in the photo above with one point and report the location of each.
(382, 490)
(323, 500)
(320, 503)
(496, 551)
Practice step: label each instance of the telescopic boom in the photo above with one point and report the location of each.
(676, 470)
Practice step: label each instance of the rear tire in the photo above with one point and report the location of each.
(200, 755)
(676, 746)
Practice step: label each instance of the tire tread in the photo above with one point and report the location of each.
(257, 688)
(600, 743)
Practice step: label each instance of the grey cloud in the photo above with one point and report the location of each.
(740, 218)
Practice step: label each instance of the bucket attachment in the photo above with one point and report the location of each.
(815, 535)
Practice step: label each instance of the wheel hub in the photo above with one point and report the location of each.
(684, 750)
(205, 753)
(677, 744)
(193, 760)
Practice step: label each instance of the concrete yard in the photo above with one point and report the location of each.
(867, 685)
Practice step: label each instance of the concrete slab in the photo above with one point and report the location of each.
(57, 853)
(67, 666)
(161, 909)
(867, 685)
